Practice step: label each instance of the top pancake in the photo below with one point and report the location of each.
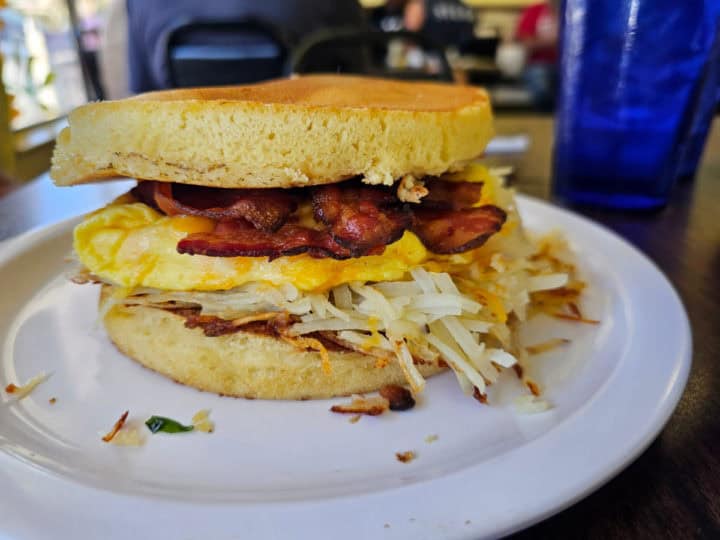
(290, 132)
(336, 91)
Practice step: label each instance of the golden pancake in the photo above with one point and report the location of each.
(291, 132)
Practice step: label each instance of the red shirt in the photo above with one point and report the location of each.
(539, 21)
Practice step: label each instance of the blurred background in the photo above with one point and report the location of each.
(58, 54)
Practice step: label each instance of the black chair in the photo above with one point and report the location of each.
(208, 53)
(484, 47)
(364, 52)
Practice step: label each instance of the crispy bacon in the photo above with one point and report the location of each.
(266, 209)
(359, 220)
(240, 239)
(482, 398)
(372, 406)
(144, 192)
(256, 324)
(400, 398)
(455, 231)
(444, 195)
(214, 326)
(361, 217)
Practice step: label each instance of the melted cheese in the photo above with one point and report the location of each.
(132, 245)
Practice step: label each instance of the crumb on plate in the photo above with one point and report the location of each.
(405, 457)
(20, 392)
(372, 406)
(201, 421)
(117, 427)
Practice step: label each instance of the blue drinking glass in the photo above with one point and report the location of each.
(629, 72)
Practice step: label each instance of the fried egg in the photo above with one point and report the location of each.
(132, 245)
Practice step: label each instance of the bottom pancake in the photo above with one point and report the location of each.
(242, 364)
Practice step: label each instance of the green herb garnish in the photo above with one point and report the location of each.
(166, 425)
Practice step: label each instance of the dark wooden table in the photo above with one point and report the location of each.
(673, 489)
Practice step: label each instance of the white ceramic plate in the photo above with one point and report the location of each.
(292, 469)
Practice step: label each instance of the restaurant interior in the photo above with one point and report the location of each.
(56, 55)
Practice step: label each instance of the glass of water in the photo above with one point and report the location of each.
(630, 76)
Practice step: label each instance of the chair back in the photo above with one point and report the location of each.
(214, 53)
(366, 52)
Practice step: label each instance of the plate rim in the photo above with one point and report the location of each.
(17, 245)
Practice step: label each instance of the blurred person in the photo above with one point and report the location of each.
(390, 17)
(447, 22)
(537, 31)
(150, 23)
(450, 23)
(414, 15)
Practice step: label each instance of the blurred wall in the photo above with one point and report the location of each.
(7, 151)
(114, 72)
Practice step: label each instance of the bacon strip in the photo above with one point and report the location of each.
(399, 397)
(444, 195)
(214, 326)
(361, 217)
(455, 231)
(240, 239)
(266, 209)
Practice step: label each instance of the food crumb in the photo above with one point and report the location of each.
(355, 419)
(431, 438)
(382, 362)
(399, 398)
(533, 387)
(201, 421)
(19, 392)
(52, 400)
(405, 457)
(372, 406)
(117, 427)
(546, 346)
(529, 404)
(128, 437)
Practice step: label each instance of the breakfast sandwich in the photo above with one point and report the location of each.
(308, 237)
